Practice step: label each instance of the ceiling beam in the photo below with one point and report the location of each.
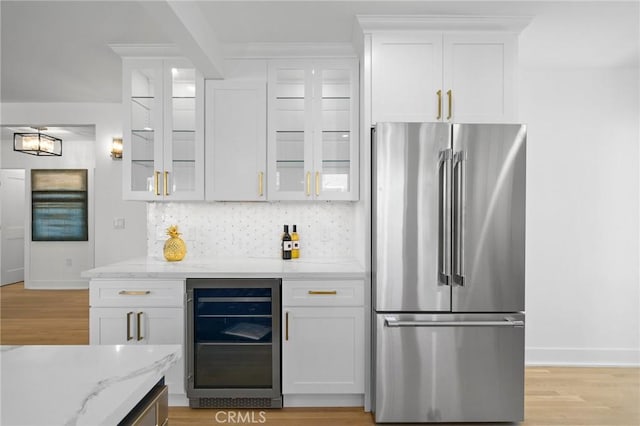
(185, 24)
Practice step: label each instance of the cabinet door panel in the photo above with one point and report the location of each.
(236, 140)
(323, 350)
(479, 71)
(143, 127)
(183, 162)
(108, 326)
(406, 76)
(336, 130)
(290, 129)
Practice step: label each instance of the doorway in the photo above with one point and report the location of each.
(12, 222)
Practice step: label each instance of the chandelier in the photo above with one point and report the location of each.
(37, 143)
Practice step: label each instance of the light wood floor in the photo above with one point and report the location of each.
(553, 396)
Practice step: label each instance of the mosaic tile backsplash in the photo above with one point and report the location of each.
(224, 229)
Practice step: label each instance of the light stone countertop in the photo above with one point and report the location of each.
(233, 267)
(78, 385)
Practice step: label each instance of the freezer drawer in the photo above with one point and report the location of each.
(449, 368)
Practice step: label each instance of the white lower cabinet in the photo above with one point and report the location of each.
(323, 341)
(149, 313)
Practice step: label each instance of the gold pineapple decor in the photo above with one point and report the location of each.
(174, 247)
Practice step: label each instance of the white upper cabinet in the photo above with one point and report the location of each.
(163, 140)
(441, 76)
(479, 78)
(406, 77)
(236, 140)
(312, 137)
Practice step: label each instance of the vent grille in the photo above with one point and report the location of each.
(231, 403)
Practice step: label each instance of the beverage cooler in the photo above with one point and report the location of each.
(233, 343)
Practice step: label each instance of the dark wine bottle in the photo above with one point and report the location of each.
(286, 243)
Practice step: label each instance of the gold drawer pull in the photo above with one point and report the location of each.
(139, 325)
(134, 292)
(286, 326)
(129, 336)
(315, 292)
(156, 184)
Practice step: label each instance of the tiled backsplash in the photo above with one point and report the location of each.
(253, 229)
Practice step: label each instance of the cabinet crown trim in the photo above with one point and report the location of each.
(372, 23)
(287, 50)
(146, 50)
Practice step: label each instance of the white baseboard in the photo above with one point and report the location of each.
(615, 357)
(178, 400)
(56, 285)
(323, 400)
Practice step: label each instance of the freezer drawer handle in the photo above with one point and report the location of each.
(389, 322)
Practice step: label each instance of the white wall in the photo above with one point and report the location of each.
(112, 244)
(583, 291)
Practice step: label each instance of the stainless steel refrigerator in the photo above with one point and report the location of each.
(448, 272)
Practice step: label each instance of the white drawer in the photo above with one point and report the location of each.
(323, 293)
(123, 293)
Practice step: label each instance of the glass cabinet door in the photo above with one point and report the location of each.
(163, 139)
(336, 135)
(313, 130)
(290, 135)
(143, 129)
(183, 173)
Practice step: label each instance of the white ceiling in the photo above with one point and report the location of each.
(57, 51)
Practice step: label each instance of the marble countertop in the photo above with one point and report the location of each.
(78, 385)
(245, 267)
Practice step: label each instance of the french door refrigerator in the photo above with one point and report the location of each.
(448, 272)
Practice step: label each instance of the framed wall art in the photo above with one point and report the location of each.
(59, 205)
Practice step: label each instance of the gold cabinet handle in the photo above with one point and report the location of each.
(286, 326)
(134, 292)
(439, 93)
(315, 292)
(129, 336)
(450, 96)
(166, 183)
(308, 183)
(156, 187)
(260, 184)
(317, 183)
(139, 326)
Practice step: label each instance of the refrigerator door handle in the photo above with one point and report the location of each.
(444, 223)
(507, 322)
(459, 160)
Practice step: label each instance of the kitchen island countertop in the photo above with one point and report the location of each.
(79, 385)
(233, 267)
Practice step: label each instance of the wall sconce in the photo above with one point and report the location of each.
(116, 148)
(37, 143)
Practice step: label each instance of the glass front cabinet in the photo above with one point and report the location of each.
(313, 130)
(163, 139)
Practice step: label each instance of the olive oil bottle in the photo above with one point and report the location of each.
(295, 239)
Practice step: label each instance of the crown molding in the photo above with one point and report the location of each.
(374, 23)
(148, 50)
(287, 50)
